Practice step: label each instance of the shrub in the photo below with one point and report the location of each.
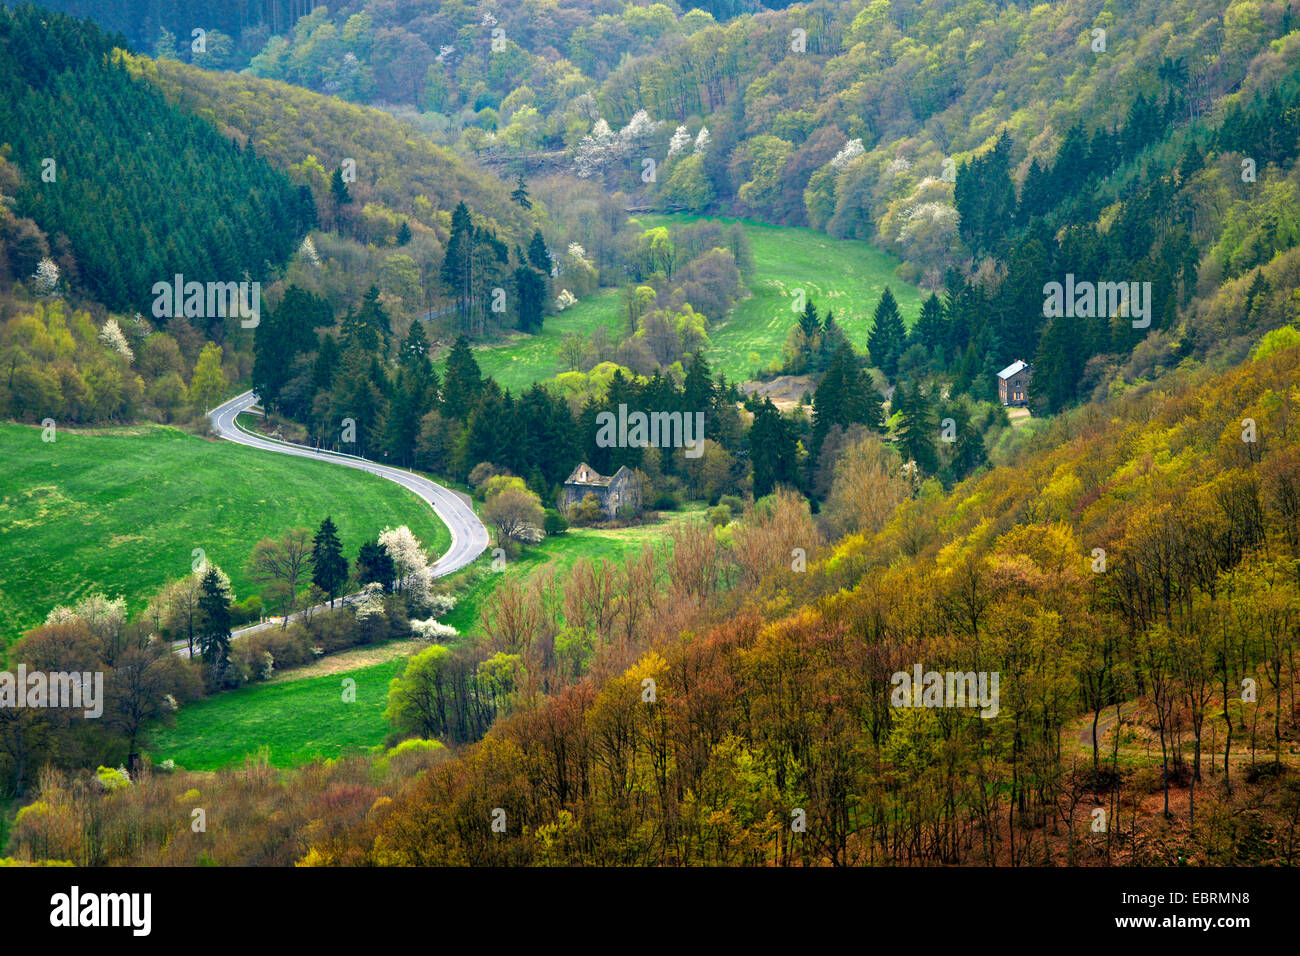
(735, 503)
(553, 522)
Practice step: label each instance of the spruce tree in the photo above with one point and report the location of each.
(539, 257)
(917, 429)
(375, 565)
(329, 566)
(888, 334)
(214, 638)
(462, 381)
(520, 193)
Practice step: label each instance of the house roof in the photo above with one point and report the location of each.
(584, 474)
(1013, 368)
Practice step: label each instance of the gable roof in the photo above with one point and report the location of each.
(584, 474)
(1013, 368)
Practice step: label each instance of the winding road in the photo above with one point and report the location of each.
(469, 537)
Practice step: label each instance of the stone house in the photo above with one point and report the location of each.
(621, 488)
(1013, 383)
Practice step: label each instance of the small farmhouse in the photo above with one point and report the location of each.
(1013, 383)
(622, 488)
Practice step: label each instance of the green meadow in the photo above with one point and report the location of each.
(297, 721)
(845, 275)
(122, 510)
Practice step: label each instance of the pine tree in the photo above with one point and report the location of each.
(339, 189)
(462, 381)
(404, 233)
(214, 639)
(929, 330)
(888, 335)
(520, 193)
(375, 565)
(539, 257)
(917, 429)
(809, 323)
(772, 450)
(329, 566)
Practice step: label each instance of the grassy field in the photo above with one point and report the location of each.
(298, 720)
(847, 276)
(533, 358)
(121, 510)
(295, 721)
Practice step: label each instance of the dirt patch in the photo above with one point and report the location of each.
(352, 660)
(784, 390)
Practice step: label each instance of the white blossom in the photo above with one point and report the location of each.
(702, 140)
(371, 603)
(595, 151)
(639, 129)
(406, 551)
(898, 166)
(681, 139)
(111, 335)
(308, 251)
(564, 300)
(46, 277)
(432, 630)
(851, 151)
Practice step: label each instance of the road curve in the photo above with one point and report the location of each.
(469, 537)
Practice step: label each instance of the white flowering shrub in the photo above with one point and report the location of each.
(595, 151)
(46, 278)
(850, 151)
(898, 166)
(111, 335)
(432, 630)
(677, 145)
(308, 251)
(564, 300)
(639, 130)
(441, 604)
(703, 140)
(371, 603)
(406, 551)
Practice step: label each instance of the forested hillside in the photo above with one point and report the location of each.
(1146, 547)
(84, 137)
(1039, 431)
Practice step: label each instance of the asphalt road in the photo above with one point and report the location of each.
(469, 537)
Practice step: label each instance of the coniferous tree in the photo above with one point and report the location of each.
(520, 193)
(772, 450)
(917, 429)
(329, 566)
(539, 257)
(929, 330)
(888, 335)
(462, 381)
(214, 638)
(375, 565)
